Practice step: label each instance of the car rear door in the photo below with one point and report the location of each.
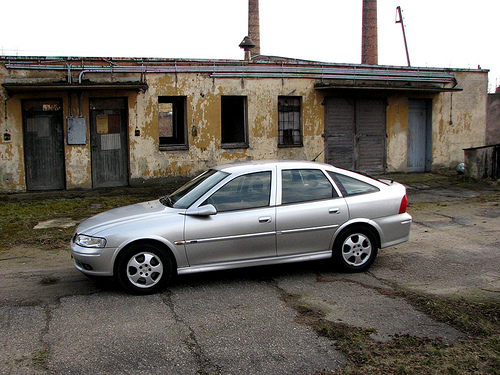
(244, 226)
(309, 214)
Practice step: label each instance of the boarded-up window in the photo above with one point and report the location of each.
(289, 128)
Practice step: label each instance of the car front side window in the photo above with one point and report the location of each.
(244, 192)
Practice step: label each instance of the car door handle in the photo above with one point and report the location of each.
(334, 211)
(265, 219)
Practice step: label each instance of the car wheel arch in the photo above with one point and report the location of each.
(148, 241)
(364, 224)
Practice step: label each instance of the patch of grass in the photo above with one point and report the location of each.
(478, 352)
(40, 359)
(20, 216)
(49, 280)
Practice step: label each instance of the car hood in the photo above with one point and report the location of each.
(118, 216)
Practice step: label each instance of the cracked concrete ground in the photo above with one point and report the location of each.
(54, 320)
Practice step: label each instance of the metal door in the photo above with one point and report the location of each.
(419, 136)
(339, 132)
(44, 145)
(355, 134)
(108, 121)
(370, 135)
(235, 234)
(309, 214)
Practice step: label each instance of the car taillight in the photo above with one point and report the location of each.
(404, 204)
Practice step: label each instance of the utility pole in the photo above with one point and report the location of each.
(400, 20)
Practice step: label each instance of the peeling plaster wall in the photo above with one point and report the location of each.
(11, 149)
(397, 125)
(458, 122)
(203, 95)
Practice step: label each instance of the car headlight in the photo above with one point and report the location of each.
(89, 241)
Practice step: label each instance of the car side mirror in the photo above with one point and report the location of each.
(205, 210)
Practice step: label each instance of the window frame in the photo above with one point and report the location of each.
(305, 173)
(242, 181)
(225, 118)
(370, 189)
(283, 123)
(179, 141)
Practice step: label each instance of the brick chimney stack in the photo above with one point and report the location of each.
(369, 49)
(254, 26)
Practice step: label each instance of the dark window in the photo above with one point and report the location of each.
(172, 122)
(302, 185)
(233, 121)
(289, 133)
(244, 192)
(351, 186)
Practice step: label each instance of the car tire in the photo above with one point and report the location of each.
(143, 268)
(355, 249)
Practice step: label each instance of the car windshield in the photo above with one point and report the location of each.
(186, 195)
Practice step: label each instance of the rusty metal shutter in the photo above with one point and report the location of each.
(355, 134)
(370, 135)
(339, 132)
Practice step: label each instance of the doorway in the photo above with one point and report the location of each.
(419, 135)
(108, 131)
(355, 134)
(43, 145)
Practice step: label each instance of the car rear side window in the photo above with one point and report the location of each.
(351, 186)
(302, 185)
(252, 190)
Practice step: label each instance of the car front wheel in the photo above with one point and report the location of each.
(355, 249)
(144, 269)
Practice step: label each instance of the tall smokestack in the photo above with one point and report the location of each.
(254, 26)
(369, 49)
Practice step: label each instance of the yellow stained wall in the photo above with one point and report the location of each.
(77, 157)
(203, 95)
(458, 122)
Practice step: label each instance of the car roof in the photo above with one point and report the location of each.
(258, 165)
(243, 166)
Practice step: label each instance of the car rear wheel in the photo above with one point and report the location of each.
(355, 249)
(144, 269)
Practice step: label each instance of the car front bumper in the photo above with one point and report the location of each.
(93, 261)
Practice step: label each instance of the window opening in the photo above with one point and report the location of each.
(172, 121)
(289, 132)
(233, 122)
(244, 192)
(302, 185)
(351, 186)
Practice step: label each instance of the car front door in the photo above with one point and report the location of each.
(243, 228)
(309, 214)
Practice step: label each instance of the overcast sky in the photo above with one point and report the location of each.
(440, 33)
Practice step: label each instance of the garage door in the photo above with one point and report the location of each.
(355, 134)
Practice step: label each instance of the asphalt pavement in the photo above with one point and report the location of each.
(53, 320)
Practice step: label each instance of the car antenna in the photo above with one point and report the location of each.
(317, 156)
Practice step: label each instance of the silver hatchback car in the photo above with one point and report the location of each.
(245, 214)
